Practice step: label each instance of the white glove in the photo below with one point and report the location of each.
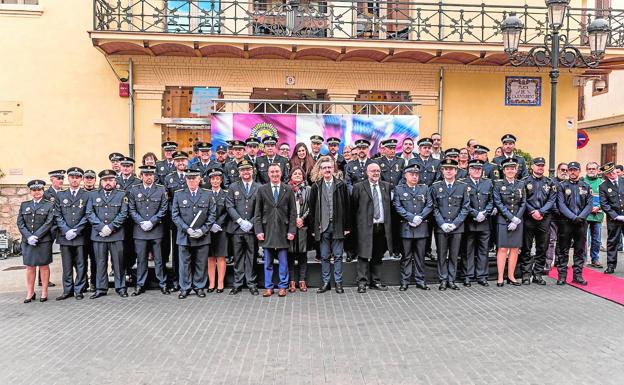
(480, 216)
(197, 233)
(452, 227)
(146, 225)
(246, 225)
(190, 232)
(70, 234)
(446, 227)
(106, 231)
(417, 220)
(620, 218)
(512, 226)
(494, 211)
(215, 228)
(32, 240)
(516, 220)
(412, 224)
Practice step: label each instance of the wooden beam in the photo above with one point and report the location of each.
(293, 52)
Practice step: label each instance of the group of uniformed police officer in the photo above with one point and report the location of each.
(134, 219)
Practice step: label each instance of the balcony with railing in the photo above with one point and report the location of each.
(209, 27)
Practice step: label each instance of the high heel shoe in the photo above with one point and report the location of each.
(500, 284)
(28, 300)
(43, 299)
(514, 283)
(210, 289)
(219, 291)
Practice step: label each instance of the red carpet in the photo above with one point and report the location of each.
(606, 286)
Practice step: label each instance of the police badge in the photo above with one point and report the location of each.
(354, 168)
(546, 188)
(530, 186)
(609, 190)
(171, 180)
(184, 202)
(236, 193)
(503, 188)
(162, 168)
(27, 209)
(65, 201)
(98, 200)
(568, 191)
(139, 195)
(404, 194)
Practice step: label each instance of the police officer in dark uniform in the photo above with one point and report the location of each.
(205, 163)
(355, 170)
(490, 170)
(34, 222)
(450, 209)
(194, 212)
(107, 210)
(574, 200)
(174, 181)
(477, 231)
(333, 144)
(147, 207)
(57, 177)
(270, 156)
(509, 145)
(231, 167)
(166, 166)
(241, 204)
(612, 202)
(115, 159)
(413, 204)
(541, 196)
(125, 180)
(316, 143)
(221, 155)
(70, 215)
(392, 172)
(88, 184)
(453, 153)
(252, 145)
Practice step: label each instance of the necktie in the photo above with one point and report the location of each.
(73, 194)
(275, 193)
(34, 205)
(247, 188)
(328, 184)
(193, 194)
(376, 210)
(449, 187)
(361, 165)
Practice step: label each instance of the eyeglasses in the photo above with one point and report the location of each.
(563, 170)
(591, 169)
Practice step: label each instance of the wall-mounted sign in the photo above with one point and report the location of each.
(582, 138)
(10, 113)
(523, 91)
(124, 90)
(201, 101)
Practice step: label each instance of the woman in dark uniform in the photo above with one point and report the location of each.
(298, 251)
(34, 222)
(510, 200)
(218, 236)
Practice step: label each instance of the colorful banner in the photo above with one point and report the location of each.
(291, 129)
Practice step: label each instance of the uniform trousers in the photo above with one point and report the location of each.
(538, 231)
(477, 253)
(72, 258)
(447, 245)
(413, 260)
(101, 250)
(571, 235)
(244, 248)
(142, 247)
(193, 267)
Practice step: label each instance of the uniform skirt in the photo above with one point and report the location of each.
(39, 255)
(218, 244)
(509, 239)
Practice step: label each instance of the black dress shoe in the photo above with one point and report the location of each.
(219, 291)
(79, 296)
(254, 291)
(200, 293)
(443, 286)
(361, 289)
(483, 283)
(500, 284)
(561, 282)
(64, 296)
(51, 284)
(123, 293)
(378, 287)
(97, 295)
(43, 299)
(453, 286)
(467, 284)
(339, 288)
(403, 287)
(176, 287)
(513, 283)
(165, 291)
(609, 270)
(526, 281)
(183, 294)
(539, 281)
(138, 291)
(210, 289)
(29, 300)
(236, 290)
(324, 289)
(423, 286)
(580, 281)
(92, 289)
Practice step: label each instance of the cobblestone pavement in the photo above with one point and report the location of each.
(528, 335)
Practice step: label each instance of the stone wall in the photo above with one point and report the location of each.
(11, 196)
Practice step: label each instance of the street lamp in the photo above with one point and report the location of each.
(555, 51)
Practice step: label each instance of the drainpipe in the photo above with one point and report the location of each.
(131, 106)
(440, 100)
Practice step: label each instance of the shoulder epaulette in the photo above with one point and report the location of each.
(180, 189)
(436, 182)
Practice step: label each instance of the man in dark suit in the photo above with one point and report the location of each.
(270, 157)
(330, 221)
(241, 205)
(612, 203)
(147, 206)
(107, 210)
(194, 212)
(413, 204)
(372, 202)
(231, 167)
(71, 219)
(450, 208)
(509, 147)
(477, 229)
(275, 226)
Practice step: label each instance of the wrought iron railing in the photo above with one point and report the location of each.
(426, 21)
(317, 107)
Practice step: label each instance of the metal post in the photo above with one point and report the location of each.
(131, 106)
(554, 77)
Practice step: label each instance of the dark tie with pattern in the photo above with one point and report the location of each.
(275, 193)
(376, 210)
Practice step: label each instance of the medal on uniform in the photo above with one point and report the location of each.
(80, 204)
(184, 202)
(503, 188)
(354, 168)
(27, 208)
(236, 193)
(440, 189)
(171, 180)
(383, 165)
(232, 172)
(140, 195)
(162, 168)
(530, 186)
(546, 187)
(396, 166)
(468, 189)
(118, 185)
(404, 194)
(98, 200)
(65, 201)
(609, 190)
(262, 165)
(568, 191)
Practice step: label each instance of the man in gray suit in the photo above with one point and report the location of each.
(107, 210)
(372, 202)
(413, 204)
(194, 212)
(147, 204)
(241, 205)
(275, 227)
